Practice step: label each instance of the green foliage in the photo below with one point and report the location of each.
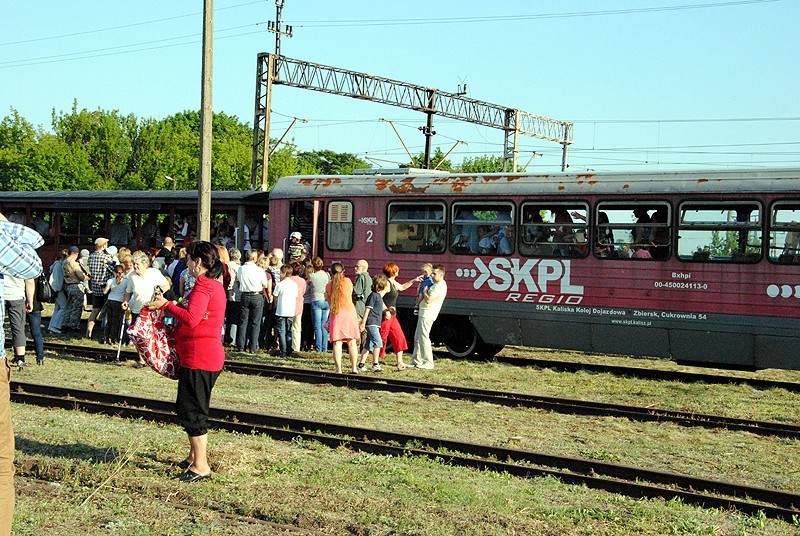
(105, 149)
(482, 164)
(330, 163)
(438, 161)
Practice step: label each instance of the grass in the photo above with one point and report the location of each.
(84, 474)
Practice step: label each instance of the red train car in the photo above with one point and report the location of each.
(695, 266)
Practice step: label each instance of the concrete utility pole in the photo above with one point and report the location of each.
(206, 116)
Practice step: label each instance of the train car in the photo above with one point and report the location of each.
(135, 219)
(699, 267)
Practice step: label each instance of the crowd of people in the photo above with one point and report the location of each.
(276, 302)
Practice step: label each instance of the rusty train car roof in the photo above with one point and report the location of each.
(489, 184)
(130, 199)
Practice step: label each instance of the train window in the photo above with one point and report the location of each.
(42, 222)
(638, 231)
(414, 227)
(720, 232)
(554, 229)
(482, 228)
(340, 226)
(121, 233)
(784, 233)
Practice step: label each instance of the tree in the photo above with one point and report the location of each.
(105, 136)
(331, 163)
(482, 164)
(437, 161)
(284, 162)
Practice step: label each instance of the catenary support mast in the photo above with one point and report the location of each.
(273, 69)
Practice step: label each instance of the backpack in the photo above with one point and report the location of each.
(44, 291)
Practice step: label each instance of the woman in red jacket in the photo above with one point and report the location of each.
(198, 328)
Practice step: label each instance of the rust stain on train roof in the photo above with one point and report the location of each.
(625, 186)
(460, 183)
(701, 180)
(406, 186)
(382, 184)
(592, 183)
(320, 182)
(561, 187)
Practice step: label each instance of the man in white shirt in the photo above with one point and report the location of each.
(252, 282)
(286, 293)
(429, 308)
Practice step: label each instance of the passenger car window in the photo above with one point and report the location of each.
(784, 233)
(415, 227)
(720, 232)
(554, 229)
(633, 230)
(482, 228)
(340, 226)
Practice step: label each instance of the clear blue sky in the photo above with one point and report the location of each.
(650, 84)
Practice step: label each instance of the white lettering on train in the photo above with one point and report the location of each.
(538, 276)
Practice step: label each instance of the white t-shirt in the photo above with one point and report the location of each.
(431, 309)
(14, 288)
(252, 278)
(117, 291)
(286, 294)
(143, 286)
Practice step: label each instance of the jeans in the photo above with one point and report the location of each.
(75, 297)
(321, 310)
(285, 334)
(231, 321)
(59, 311)
(35, 324)
(250, 321)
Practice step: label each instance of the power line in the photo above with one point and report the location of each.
(193, 36)
(507, 18)
(48, 59)
(702, 120)
(122, 26)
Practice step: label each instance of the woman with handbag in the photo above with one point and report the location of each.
(144, 283)
(198, 324)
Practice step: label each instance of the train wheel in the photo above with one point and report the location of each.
(462, 340)
(488, 351)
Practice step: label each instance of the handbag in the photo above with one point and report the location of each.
(155, 343)
(44, 291)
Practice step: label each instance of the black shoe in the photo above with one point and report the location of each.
(191, 476)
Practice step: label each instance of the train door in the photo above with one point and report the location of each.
(307, 217)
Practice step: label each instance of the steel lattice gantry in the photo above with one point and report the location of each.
(272, 69)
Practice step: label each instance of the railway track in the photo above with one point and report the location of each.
(616, 478)
(649, 374)
(559, 405)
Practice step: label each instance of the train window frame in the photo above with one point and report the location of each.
(420, 225)
(705, 254)
(574, 246)
(499, 241)
(334, 216)
(654, 245)
(785, 256)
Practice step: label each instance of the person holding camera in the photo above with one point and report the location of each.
(101, 269)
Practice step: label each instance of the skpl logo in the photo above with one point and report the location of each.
(535, 280)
